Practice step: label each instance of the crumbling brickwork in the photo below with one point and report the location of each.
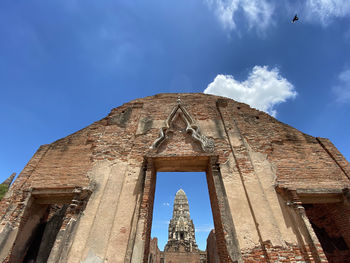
(211, 249)
(260, 173)
(154, 254)
(331, 225)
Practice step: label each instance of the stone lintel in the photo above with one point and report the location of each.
(319, 191)
(320, 195)
(181, 164)
(313, 196)
(56, 195)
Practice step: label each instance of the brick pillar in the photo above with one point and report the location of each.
(144, 224)
(346, 193)
(343, 216)
(226, 237)
(314, 245)
(147, 203)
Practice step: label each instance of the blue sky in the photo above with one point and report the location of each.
(64, 64)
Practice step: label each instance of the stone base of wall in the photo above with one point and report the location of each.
(180, 257)
(290, 253)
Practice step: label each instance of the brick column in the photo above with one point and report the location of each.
(147, 205)
(226, 237)
(312, 240)
(144, 224)
(343, 216)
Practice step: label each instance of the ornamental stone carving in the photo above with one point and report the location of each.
(207, 144)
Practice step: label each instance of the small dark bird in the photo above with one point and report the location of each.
(296, 18)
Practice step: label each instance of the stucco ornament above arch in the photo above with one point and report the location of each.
(207, 144)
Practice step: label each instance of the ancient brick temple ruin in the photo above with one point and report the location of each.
(277, 194)
(181, 229)
(181, 245)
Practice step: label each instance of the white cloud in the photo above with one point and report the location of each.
(166, 204)
(225, 12)
(342, 90)
(263, 89)
(324, 10)
(257, 12)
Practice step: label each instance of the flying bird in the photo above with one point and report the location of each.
(296, 18)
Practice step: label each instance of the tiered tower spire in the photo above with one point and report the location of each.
(181, 229)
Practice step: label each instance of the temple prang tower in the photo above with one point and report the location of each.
(276, 193)
(181, 229)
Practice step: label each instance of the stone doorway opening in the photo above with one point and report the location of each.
(37, 233)
(226, 239)
(194, 208)
(40, 235)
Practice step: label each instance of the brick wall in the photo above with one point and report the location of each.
(277, 254)
(177, 257)
(300, 159)
(154, 252)
(128, 132)
(212, 250)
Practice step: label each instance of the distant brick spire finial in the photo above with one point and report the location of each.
(9, 180)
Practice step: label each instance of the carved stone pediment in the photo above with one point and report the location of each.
(207, 144)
